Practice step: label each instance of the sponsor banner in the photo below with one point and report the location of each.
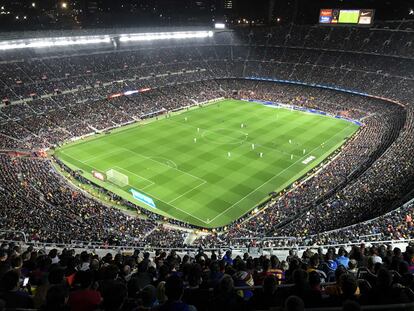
(98, 175)
(361, 17)
(142, 197)
(366, 17)
(326, 12)
(304, 109)
(308, 84)
(308, 160)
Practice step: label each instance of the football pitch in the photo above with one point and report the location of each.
(202, 166)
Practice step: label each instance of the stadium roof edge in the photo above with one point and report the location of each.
(65, 38)
(22, 35)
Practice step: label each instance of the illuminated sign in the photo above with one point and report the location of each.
(115, 95)
(98, 175)
(142, 197)
(131, 92)
(346, 17)
(366, 17)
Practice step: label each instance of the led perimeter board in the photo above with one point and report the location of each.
(361, 17)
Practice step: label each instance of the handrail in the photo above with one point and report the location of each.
(126, 247)
(370, 220)
(397, 306)
(15, 231)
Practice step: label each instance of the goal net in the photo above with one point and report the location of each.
(117, 178)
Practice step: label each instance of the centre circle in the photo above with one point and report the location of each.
(223, 136)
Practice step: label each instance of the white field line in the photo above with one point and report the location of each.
(99, 156)
(169, 167)
(238, 143)
(139, 176)
(187, 192)
(204, 181)
(151, 159)
(230, 207)
(202, 220)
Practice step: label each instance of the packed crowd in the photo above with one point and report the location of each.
(395, 225)
(76, 85)
(37, 201)
(65, 280)
(382, 124)
(382, 120)
(363, 182)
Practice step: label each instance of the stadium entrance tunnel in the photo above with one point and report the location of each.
(223, 136)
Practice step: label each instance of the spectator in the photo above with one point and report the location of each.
(174, 290)
(294, 303)
(83, 297)
(56, 299)
(266, 298)
(225, 297)
(11, 294)
(342, 259)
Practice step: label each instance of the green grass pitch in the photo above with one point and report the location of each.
(200, 167)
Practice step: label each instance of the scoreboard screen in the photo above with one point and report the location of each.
(346, 17)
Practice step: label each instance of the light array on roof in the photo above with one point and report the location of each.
(82, 40)
(52, 42)
(165, 35)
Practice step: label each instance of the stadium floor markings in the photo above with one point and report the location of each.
(253, 191)
(205, 132)
(100, 156)
(173, 206)
(239, 143)
(152, 159)
(296, 162)
(152, 183)
(139, 176)
(172, 165)
(181, 195)
(119, 168)
(68, 155)
(177, 208)
(187, 192)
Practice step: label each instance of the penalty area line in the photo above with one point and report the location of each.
(203, 183)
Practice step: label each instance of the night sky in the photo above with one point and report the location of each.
(50, 14)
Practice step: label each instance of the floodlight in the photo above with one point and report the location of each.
(63, 41)
(131, 92)
(165, 35)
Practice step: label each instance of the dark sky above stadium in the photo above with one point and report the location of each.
(46, 14)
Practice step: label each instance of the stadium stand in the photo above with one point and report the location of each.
(75, 89)
(378, 278)
(57, 95)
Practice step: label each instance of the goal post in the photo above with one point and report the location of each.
(117, 178)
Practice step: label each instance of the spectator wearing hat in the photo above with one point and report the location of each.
(244, 279)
